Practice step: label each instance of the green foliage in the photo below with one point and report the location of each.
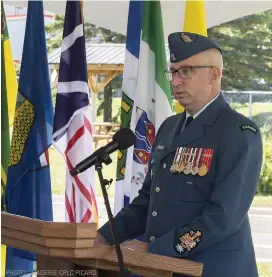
(247, 46)
(54, 33)
(265, 181)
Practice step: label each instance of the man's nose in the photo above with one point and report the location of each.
(176, 80)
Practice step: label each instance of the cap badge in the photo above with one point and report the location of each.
(185, 38)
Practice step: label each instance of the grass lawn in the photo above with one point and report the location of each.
(116, 105)
(256, 108)
(264, 201)
(265, 269)
(261, 112)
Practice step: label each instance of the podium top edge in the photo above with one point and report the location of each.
(48, 228)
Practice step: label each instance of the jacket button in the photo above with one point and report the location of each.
(152, 238)
(158, 189)
(154, 213)
(164, 165)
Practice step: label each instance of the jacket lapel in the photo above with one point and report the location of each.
(191, 133)
(196, 129)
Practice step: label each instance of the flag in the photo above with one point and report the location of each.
(9, 70)
(195, 18)
(122, 190)
(28, 191)
(8, 99)
(146, 94)
(72, 123)
(194, 22)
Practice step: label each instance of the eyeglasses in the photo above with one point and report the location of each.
(184, 72)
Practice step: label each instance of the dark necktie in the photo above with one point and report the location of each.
(188, 121)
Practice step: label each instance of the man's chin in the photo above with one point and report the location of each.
(183, 102)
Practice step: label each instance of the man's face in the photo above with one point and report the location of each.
(193, 88)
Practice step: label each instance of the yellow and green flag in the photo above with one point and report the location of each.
(9, 69)
(9, 88)
(8, 101)
(194, 22)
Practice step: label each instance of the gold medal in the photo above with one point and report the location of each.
(203, 170)
(176, 166)
(181, 167)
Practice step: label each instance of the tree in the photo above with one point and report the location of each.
(247, 49)
(106, 104)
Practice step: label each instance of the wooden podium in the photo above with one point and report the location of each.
(67, 249)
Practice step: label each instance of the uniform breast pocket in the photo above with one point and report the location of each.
(189, 188)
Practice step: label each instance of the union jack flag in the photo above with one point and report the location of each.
(72, 134)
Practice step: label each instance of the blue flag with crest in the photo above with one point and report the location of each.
(28, 191)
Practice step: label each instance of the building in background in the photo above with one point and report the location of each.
(16, 20)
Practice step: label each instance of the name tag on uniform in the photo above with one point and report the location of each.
(160, 147)
(195, 161)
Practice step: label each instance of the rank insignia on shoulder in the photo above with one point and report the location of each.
(188, 241)
(195, 161)
(248, 127)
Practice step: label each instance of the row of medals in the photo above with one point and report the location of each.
(184, 161)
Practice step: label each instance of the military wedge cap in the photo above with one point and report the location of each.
(183, 45)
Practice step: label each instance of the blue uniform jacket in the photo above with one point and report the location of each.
(199, 215)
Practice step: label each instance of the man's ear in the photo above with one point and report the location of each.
(216, 75)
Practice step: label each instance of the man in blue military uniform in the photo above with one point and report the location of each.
(203, 172)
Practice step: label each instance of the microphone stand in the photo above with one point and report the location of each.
(103, 156)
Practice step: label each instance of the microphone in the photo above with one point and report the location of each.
(122, 139)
